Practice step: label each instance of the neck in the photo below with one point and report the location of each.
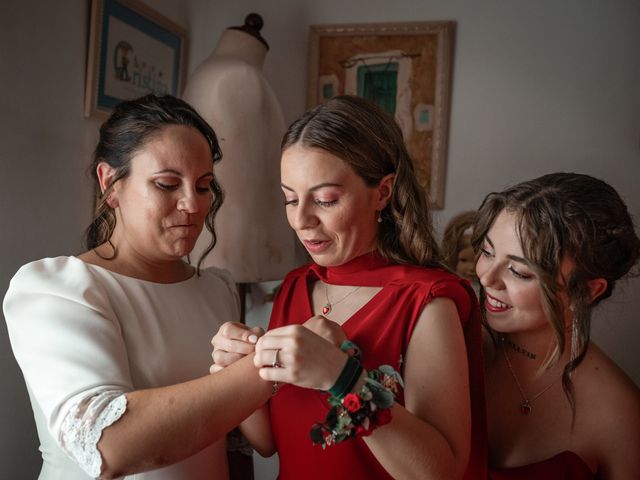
(539, 343)
(242, 46)
(131, 264)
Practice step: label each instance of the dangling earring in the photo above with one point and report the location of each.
(379, 216)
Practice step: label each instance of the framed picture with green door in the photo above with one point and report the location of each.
(403, 67)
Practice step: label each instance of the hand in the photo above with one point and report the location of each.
(294, 354)
(233, 341)
(327, 329)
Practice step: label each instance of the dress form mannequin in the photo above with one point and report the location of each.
(229, 90)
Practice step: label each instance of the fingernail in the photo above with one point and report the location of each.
(253, 338)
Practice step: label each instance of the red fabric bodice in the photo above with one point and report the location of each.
(563, 466)
(382, 329)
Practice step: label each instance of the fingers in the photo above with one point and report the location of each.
(302, 357)
(232, 342)
(327, 329)
(236, 332)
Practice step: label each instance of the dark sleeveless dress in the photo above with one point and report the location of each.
(382, 329)
(563, 466)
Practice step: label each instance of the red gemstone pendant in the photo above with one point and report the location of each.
(326, 309)
(525, 408)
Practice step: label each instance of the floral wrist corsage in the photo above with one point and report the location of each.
(358, 414)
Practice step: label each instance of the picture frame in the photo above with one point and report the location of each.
(404, 67)
(133, 51)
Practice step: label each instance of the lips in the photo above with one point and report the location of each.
(316, 246)
(494, 305)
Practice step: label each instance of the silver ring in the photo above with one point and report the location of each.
(275, 363)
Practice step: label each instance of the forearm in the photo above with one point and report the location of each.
(410, 448)
(164, 425)
(257, 430)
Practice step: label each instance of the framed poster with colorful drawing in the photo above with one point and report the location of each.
(133, 50)
(403, 67)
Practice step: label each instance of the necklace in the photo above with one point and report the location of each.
(526, 404)
(326, 310)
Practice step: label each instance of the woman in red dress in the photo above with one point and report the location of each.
(376, 279)
(558, 408)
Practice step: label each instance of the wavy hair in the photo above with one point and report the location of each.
(370, 142)
(131, 125)
(574, 216)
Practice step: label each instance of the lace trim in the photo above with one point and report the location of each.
(83, 425)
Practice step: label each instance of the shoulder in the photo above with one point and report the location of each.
(423, 276)
(606, 381)
(219, 279)
(51, 273)
(608, 405)
(218, 276)
(435, 283)
(63, 288)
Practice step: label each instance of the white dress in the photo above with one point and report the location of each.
(84, 336)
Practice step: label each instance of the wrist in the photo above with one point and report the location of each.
(345, 382)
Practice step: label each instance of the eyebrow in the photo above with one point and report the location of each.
(315, 187)
(515, 258)
(179, 174)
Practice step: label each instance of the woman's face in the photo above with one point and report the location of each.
(331, 209)
(162, 204)
(513, 297)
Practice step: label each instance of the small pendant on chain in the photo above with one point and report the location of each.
(326, 309)
(525, 408)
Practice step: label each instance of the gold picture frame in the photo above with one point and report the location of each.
(404, 67)
(133, 50)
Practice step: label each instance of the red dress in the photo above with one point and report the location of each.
(382, 329)
(563, 466)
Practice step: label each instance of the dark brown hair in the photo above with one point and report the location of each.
(131, 125)
(370, 142)
(575, 216)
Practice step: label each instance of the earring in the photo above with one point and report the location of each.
(379, 216)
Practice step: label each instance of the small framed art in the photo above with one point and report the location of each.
(133, 50)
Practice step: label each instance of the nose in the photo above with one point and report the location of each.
(303, 217)
(188, 201)
(489, 274)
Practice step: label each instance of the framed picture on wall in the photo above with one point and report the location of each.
(403, 67)
(133, 50)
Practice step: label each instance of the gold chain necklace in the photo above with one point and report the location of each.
(326, 310)
(526, 404)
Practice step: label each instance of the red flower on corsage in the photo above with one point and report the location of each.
(352, 402)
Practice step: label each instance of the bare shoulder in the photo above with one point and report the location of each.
(608, 406)
(600, 378)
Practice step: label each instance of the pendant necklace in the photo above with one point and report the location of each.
(526, 404)
(326, 310)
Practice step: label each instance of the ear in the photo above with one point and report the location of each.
(597, 287)
(106, 173)
(385, 189)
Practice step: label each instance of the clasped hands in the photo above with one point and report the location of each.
(306, 355)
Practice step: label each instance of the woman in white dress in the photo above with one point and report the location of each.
(114, 343)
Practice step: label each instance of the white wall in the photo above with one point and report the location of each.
(538, 86)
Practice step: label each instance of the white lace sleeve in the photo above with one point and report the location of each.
(83, 425)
